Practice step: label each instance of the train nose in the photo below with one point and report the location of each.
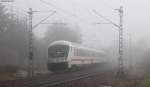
(58, 66)
(57, 60)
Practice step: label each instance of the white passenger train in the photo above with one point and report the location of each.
(64, 55)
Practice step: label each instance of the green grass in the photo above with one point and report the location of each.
(145, 82)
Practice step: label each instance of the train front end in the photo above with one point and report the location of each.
(57, 57)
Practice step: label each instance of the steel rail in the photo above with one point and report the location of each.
(57, 79)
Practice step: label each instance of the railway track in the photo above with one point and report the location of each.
(54, 80)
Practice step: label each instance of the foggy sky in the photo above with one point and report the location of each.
(79, 13)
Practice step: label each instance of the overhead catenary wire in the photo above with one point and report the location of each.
(50, 4)
(66, 12)
(109, 21)
(44, 19)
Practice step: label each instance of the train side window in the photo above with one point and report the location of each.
(89, 53)
(79, 52)
(75, 52)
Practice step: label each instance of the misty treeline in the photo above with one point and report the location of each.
(141, 57)
(136, 57)
(14, 43)
(14, 40)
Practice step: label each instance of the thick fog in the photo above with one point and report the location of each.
(75, 21)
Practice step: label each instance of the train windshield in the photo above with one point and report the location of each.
(58, 51)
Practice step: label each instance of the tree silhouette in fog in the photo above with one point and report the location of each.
(13, 38)
(4, 20)
(62, 32)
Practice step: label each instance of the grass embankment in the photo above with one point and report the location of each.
(145, 82)
(7, 73)
(6, 76)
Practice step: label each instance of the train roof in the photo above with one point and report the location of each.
(63, 42)
(60, 42)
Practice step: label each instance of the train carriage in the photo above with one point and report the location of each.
(63, 55)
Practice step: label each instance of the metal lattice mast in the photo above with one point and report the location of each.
(120, 73)
(31, 67)
(31, 27)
